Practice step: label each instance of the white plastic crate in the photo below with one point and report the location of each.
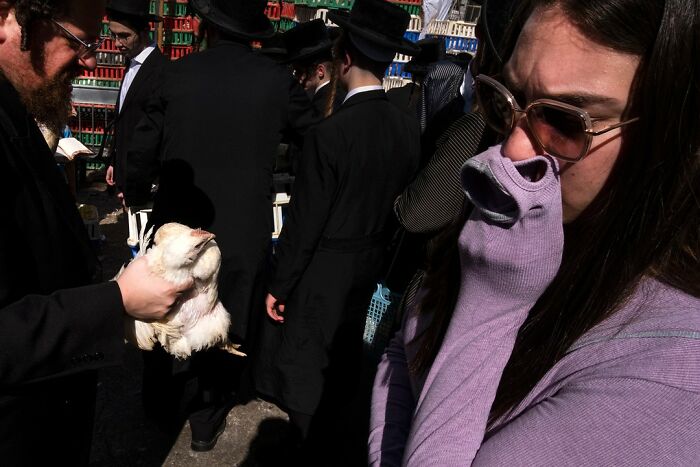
(137, 229)
(280, 202)
(438, 27)
(416, 24)
(402, 58)
(462, 29)
(391, 82)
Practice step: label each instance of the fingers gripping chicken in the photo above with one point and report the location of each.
(198, 320)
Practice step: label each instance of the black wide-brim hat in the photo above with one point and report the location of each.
(376, 28)
(431, 51)
(138, 9)
(274, 48)
(242, 18)
(307, 41)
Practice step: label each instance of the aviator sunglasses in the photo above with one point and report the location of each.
(562, 130)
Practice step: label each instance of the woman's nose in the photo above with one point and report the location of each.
(521, 144)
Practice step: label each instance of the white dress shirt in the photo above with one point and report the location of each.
(352, 92)
(318, 88)
(134, 67)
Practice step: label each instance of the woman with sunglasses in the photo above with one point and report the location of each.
(563, 325)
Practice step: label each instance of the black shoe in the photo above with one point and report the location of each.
(207, 445)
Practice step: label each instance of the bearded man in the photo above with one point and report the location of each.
(56, 328)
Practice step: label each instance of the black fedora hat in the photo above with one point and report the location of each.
(274, 48)
(431, 51)
(241, 18)
(376, 28)
(139, 9)
(307, 41)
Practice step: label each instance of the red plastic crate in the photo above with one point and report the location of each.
(184, 23)
(108, 45)
(105, 72)
(288, 10)
(177, 51)
(273, 11)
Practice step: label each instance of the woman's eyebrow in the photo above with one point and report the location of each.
(575, 98)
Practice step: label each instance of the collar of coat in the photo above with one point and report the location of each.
(379, 94)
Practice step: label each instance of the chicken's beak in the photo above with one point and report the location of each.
(206, 237)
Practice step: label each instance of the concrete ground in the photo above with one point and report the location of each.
(123, 435)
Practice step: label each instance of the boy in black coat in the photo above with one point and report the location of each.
(215, 123)
(332, 245)
(129, 26)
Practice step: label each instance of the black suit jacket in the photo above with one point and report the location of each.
(55, 329)
(217, 120)
(320, 98)
(354, 165)
(142, 88)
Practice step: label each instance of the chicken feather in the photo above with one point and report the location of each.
(198, 320)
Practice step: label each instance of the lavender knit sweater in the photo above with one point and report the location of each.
(627, 392)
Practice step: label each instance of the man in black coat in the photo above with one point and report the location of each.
(129, 26)
(309, 53)
(308, 48)
(217, 120)
(56, 329)
(332, 245)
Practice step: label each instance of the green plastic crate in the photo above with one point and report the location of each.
(286, 24)
(178, 37)
(411, 9)
(174, 9)
(95, 165)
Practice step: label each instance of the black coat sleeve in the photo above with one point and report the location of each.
(301, 115)
(314, 191)
(143, 153)
(435, 198)
(67, 332)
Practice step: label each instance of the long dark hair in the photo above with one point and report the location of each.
(645, 220)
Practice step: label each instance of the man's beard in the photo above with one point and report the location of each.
(50, 104)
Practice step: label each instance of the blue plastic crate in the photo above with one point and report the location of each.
(411, 36)
(379, 323)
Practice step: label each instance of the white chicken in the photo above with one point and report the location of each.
(198, 320)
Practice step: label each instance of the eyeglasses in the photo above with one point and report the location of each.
(122, 37)
(564, 131)
(84, 49)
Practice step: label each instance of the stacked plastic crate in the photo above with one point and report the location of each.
(458, 30)
(274, 12)
(95, 95)
(178, 28)
(396, 75)
(287, 15)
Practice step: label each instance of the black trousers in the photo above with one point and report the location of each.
(202, 388)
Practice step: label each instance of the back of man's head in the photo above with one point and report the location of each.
(359, 60)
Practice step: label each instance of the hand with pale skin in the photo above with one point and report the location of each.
(109, 176)
(146, 296)
(275, 309)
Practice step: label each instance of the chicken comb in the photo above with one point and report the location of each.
(201, 233)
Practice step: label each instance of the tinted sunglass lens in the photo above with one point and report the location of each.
(495, 106)
(561, 133)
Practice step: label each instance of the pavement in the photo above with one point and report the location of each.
(123, 435)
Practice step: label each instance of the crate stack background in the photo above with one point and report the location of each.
(96, 92)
